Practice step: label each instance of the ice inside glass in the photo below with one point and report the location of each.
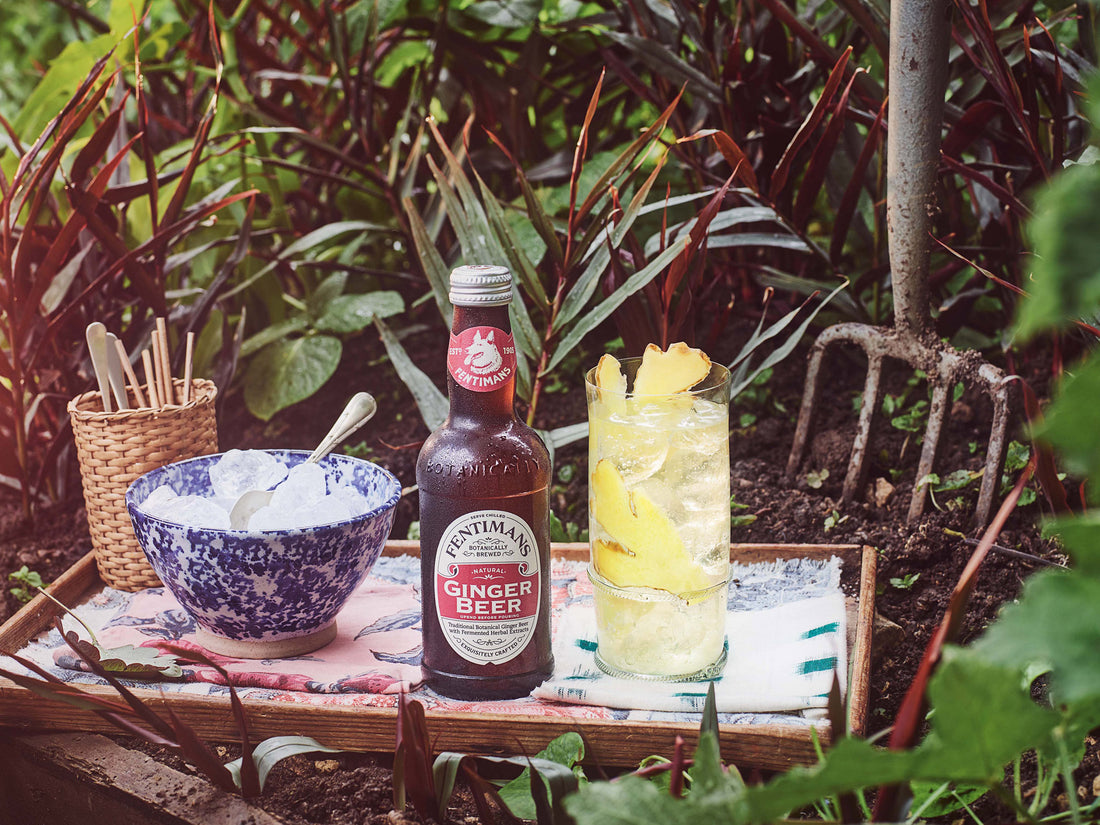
(659, 519)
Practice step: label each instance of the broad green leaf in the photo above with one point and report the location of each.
(984, 717)
(1065, 235)
(430, 401)
(584, 288)
(1055, 623)
(508, 14)
(351, 313)
(289, 371)
(634, 801)
(274, 332)
(527, 338)
(1069, 423)
(270, 752)
(329, 288)
(566, 750)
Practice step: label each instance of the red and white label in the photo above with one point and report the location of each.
(487, 586)
(481, 358)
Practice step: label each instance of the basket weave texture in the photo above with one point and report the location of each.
(114, 449)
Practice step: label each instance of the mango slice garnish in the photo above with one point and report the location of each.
(677, 369)
(646, 551)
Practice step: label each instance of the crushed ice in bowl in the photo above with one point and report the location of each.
(301, 496)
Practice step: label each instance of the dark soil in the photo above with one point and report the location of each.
(918, 565)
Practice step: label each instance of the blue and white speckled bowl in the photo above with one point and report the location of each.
(265, 594)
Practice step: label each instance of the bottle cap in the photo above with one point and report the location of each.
(481, 285)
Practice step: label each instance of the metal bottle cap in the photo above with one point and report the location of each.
(481, 285)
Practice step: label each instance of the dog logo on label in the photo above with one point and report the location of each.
(482, 356)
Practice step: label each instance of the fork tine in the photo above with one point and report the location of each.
(872, 392)
(995, 455)
(806, 410)
(936, 413)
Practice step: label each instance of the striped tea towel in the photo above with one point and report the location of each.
(786, 639)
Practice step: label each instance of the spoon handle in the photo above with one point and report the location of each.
(359, 410)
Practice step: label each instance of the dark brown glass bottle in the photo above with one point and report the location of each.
(484, 479)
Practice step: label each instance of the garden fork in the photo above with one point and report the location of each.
(917, 81)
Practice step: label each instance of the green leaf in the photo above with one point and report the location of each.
(779, 353)
(430, 401)
(274, 332)
(1069, 423)
(271, 751)
(602, 311)
(956, 480)
(306, 243)
(508, 14)
(329, 289)
(289, 371)
(1065, 235)
(633, 801)
(934, 799)
(127, 660)
(1056, 623)
(431, 262)
(581, 293)
(351, 313)
(567, 750)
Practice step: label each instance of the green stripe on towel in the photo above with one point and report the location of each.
(585, 644)
(817, 665)
(831, 627)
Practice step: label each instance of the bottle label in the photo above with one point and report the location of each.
(487, 586)
(481, 358)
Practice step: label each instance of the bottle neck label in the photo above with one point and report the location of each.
(487, 586)
(482, 359)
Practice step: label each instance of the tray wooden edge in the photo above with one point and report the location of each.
(609, 742)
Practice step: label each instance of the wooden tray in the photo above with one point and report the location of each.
(608, 742)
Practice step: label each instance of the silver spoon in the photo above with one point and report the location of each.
(359, 410)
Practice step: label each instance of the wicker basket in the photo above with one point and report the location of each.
(114, 449)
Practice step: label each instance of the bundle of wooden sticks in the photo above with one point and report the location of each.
(111, 361)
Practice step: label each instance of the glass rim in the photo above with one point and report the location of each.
(649, 594)
(717, 376)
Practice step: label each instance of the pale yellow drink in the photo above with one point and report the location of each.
(659, 523)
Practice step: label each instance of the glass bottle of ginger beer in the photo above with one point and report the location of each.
(484, 480)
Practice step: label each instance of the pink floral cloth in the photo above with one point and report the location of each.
(376, 650)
